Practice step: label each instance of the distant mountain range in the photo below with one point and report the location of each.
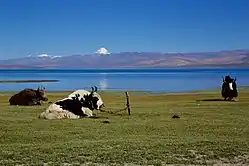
(229, 58)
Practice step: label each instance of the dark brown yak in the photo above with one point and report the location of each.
(29, 97)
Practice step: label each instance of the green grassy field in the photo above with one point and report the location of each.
(207, 132)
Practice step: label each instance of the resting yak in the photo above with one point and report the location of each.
(229, 88)
(75, 106)
(29, 97)
(96, 97)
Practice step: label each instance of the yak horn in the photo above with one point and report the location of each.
(96, 89)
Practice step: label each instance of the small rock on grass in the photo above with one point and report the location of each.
(106, 121)
(175, 116)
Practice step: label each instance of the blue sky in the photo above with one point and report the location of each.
(65, 27)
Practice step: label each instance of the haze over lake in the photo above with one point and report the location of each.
(155, 80)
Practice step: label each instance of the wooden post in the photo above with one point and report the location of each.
(128, 103)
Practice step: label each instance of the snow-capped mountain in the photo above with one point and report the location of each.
(229, 58)
(102, 51)
(46, 56)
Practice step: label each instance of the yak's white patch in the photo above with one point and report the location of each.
(55, 111)
(87, 112)
(99, 103)
(81, 92)
(231, 86)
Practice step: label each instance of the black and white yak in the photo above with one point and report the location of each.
(77, 105)
(96, 97)
(229, 88)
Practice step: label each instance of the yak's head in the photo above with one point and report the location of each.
(41, 94)
(93, 100)
(230, 82)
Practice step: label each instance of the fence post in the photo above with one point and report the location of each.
(128, 103)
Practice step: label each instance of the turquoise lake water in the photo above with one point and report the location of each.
(155, 80)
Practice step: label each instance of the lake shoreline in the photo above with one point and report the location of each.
(26, 81)
(194, 92)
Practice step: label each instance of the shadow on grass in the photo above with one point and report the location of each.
(216, 100)
(94, 117)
